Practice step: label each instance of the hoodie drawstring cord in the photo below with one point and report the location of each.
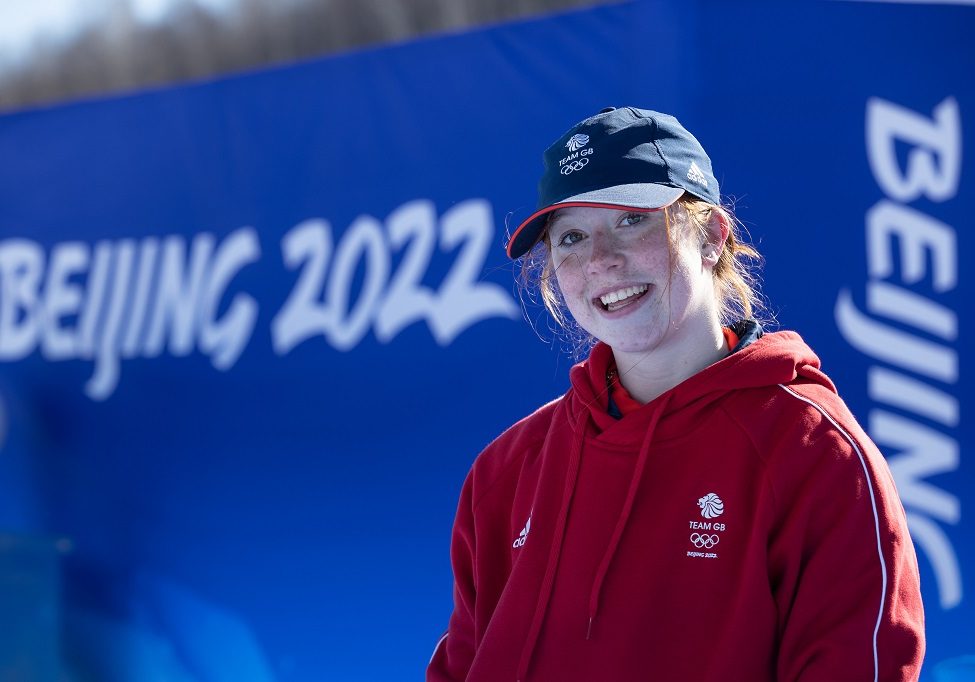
(548, 581)
(624, 516)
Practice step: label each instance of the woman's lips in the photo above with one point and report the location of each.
(620, 298)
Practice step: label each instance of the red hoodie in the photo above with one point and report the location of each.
(741, 526)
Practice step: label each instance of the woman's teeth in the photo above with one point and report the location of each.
(621, 295)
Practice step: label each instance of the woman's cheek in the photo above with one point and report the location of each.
(566, 276)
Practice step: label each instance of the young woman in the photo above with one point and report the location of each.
(700, 505)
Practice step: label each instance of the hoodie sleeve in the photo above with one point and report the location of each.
(455, 651)
(842, 566)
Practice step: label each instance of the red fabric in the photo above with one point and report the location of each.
(571, 565)
(624, 401)
(730, 337)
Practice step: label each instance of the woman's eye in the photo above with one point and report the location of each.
(569, 238)
(633, 218)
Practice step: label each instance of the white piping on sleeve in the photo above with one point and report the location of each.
(436, 648)
(876, 517)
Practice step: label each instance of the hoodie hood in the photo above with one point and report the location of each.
(778, 358)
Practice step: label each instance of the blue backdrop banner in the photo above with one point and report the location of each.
(254, 331)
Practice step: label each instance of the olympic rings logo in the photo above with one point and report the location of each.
(705, 541)
(579, 164)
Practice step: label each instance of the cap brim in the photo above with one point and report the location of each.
(638, 197)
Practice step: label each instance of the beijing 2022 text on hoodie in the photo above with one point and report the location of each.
(741, 526)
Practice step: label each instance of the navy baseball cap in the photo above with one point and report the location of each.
(619, 158)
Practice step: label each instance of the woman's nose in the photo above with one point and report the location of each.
(605, 253)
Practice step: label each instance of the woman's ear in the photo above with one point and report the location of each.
(717, 234)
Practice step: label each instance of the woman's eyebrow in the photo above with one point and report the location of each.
(555, 218)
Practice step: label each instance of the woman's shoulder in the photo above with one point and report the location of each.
(522, 441)
(796, 397)
(802, 429)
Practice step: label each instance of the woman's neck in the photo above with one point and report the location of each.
(648, 374)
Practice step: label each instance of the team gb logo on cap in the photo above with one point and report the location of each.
(577, 141)
(578, 154)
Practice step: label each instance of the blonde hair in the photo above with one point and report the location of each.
(735, 280)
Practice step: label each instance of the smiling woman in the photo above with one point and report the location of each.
(693, 508)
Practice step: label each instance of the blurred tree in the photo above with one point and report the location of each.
(118, 53)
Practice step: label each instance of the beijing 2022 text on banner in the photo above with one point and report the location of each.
(254, 331)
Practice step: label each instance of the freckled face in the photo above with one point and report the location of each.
(622, 283)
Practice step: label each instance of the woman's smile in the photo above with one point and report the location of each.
(622, 297)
